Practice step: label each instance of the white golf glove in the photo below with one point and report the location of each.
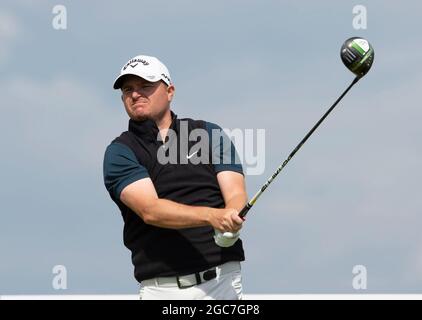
(226, 239)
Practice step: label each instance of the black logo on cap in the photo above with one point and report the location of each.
(137, 60)
(165, 76)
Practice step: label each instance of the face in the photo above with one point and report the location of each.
(146, 100)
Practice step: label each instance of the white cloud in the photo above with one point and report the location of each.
(61, 122)
(10, 29)
(9, 26)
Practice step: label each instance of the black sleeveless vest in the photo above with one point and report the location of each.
(168, 252)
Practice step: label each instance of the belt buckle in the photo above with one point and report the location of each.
(206, 275)
(184, 286)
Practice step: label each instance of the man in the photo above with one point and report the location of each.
(172, 210)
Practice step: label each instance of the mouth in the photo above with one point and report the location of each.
(139, 103)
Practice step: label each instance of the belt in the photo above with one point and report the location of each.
(193, 279)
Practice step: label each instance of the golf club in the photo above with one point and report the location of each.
(357, 55)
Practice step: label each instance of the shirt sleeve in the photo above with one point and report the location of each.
(224, 156)
(121, 168)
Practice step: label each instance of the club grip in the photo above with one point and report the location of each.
(245, 210)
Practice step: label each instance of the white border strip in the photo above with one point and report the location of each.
(246, 297)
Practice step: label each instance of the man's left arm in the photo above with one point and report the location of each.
(228, 168)
(232, 186)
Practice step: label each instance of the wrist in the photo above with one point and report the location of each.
(207, 216)
(210, 216)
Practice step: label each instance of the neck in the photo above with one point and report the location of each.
(163, 123)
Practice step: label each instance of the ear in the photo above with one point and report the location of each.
(121, 97)
(170, 92)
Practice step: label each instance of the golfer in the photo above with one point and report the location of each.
(172, 199)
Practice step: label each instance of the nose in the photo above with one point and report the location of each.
(136, 94)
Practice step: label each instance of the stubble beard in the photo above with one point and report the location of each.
(154, 117)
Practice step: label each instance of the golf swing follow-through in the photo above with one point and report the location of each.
(357, 55)
(182, 219)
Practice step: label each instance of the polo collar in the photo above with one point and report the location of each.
(147, 129)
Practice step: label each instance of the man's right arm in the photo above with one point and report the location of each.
(129, 182)
(142, 198)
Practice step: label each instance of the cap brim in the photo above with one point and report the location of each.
(118, 82)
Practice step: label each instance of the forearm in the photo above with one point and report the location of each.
(237, 201)
(169, 214)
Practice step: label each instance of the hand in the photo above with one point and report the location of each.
(226, 220)
(226, 239)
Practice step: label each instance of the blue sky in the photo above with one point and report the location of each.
(350, 197)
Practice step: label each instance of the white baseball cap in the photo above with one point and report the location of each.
(146, 67)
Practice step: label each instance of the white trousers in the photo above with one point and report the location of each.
(227, 285)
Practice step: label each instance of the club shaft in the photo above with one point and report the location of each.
(251, 202)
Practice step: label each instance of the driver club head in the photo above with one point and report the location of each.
(357, 55)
